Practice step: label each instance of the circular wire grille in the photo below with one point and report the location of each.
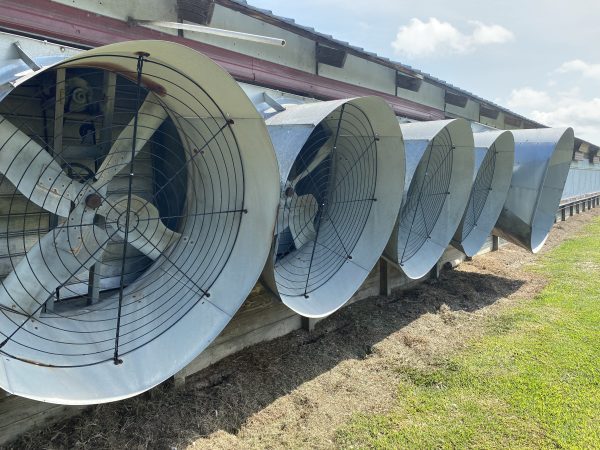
(135, 229)
(326, 202)
(480, 192)
(426, 196)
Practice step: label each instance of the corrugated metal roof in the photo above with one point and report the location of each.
(383, 59)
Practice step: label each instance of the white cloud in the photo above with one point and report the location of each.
(560, 109)
(588, 70)
(528, 98)
(420, 38)
(490, 34)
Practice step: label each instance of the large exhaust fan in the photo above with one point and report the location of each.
(341, 167)
(439, 177)
(138, 191)
(494, 158)
(542, 160)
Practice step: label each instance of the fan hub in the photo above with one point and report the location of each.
(134, 220)
(93, 201)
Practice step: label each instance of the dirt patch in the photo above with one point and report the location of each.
(296, 390)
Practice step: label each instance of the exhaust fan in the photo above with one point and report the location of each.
(138, 195)
(439, 177)
(494, 158)
(542, 161)
(341, 167)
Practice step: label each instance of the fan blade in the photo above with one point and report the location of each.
(147, 233)
(321, 155)
(302, 212)
(151, 115)
(34, 172)
(73, 245)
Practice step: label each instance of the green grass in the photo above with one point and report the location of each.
(532, 381)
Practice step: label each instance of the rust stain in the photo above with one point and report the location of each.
(147, 82)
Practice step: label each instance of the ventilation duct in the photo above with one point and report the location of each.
(439, 177)
(138, 195)
(494, 158)
(542, 161)
(341, 171)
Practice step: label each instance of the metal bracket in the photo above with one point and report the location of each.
(273, 103)
(25, 57)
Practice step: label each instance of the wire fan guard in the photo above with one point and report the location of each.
(494, 158)
(130, 201)
(439, 165)
(339, 162)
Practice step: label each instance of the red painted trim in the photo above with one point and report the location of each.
(46, 19)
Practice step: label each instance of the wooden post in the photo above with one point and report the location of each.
(577, 208)
(570, 210)
(110, 87)
(385, 287)
(563, 214)
(57, 145)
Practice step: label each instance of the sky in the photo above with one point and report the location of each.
(539, 58)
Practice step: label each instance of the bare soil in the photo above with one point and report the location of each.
(295, 391)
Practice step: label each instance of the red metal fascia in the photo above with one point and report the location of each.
(47, 19)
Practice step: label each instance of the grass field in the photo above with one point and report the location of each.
(501, 352)
(532, 380)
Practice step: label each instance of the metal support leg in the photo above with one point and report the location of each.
(308, 323)
(435, 272)
(495, 243)
(178, 380)
(94, 284)
(385, 287)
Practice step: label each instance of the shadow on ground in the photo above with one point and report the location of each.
(225, 395)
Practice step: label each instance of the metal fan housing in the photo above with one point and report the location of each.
(342, 165)
(439, 177)
(542, 161)
(494, 158)
(169, 312)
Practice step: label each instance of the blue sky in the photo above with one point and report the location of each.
(540, 58)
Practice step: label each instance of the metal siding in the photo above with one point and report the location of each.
(361, 72)
(298, 53)
(429, 94)
(120, 9)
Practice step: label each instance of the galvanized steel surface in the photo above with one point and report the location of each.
(542, 160)
(363, 238)
(439, 155)
(490, 188)
(66, 357)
